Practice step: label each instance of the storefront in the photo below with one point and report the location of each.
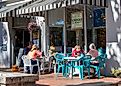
(64, 33)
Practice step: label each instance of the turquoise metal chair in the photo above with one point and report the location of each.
(101, 51)
(86, 64)
(59, 63)
(101, 60)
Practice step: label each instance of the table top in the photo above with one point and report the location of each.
(72, 58)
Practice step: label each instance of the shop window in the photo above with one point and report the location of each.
(56, 36)
(71, 38)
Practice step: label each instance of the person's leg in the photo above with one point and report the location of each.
(95, 72)
(35, 68)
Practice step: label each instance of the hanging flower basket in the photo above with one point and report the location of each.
(32, 26)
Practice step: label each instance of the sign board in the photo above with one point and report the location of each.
(77, 20)
(4, 45)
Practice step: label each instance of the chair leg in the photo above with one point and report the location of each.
(50, 65)
(89, 72)
(58, 71)
(31, 69)
(63, 70)
(81, 73)
(55, 69)
(39, 70)
(25, 69)
(98, 73)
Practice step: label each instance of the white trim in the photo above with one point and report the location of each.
(103, 3)
(77, 1)
(69, 2)
(40, 8)
(51, 6)
(73, 2)
(54, 5)
(19, 11)
(93, 2)
(34, 9)
(97, 2)
(22, 11)
(26, 10)
(37, 9)
(64, 4)
(47, 7)
(59, 4)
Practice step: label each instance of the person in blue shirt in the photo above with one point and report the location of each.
(28, 48)
(24, 52)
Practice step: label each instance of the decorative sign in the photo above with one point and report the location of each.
(77, 20)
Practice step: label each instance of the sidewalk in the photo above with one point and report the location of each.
(50, 80)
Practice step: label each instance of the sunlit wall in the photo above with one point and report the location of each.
(113, 34)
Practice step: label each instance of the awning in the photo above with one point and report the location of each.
(42, 5)
(10, 7)
(53, 4)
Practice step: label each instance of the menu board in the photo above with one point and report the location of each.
(76, 20)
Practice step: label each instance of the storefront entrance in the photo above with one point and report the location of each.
(22, 37)
(56, 38)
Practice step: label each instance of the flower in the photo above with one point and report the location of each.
(32, 26)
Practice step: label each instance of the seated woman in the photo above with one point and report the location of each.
(33, 54)
(77, 51)
(93, 51)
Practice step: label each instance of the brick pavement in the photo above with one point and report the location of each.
(50, 80)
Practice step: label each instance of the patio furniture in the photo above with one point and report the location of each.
(79, 64)
(74, 64)
(59, 63)
(44, 64)
(101, 60)
(86, 64)
(27, 63)
(68, 54)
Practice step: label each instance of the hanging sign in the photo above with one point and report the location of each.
(77, 20)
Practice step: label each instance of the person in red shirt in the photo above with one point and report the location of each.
(77, 51)
(34, 52)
